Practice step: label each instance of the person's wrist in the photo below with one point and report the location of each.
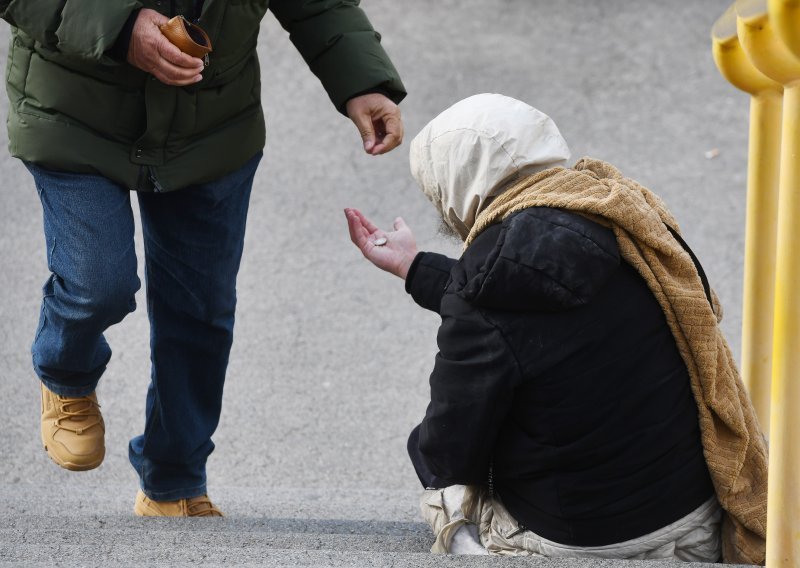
(356, 100)
(405, 265)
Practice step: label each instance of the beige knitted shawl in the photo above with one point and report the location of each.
(733, 443)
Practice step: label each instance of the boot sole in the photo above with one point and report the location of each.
(144, 512)
(75, 466)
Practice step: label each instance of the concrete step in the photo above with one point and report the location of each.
(78, 526)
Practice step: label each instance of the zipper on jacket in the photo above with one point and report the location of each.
(141, 179)
(156, 186)
(198, 9)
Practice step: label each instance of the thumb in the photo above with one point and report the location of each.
(399, 224)
(363, 122)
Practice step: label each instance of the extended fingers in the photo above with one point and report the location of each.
(363, 121)
(358, 233)
(176, 57)
(399, 224)
(170, 73)
(370, 226)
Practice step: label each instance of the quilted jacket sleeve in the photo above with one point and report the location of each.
(340, 46)
(427, 278)
(82, 28)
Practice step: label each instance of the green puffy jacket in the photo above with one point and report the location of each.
(75, 108)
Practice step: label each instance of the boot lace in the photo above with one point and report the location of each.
(202, 507)
(83, 412)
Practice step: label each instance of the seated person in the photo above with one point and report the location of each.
(583, 401)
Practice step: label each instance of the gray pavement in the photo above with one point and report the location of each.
(330, 365)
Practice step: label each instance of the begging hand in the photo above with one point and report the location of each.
(390, 251)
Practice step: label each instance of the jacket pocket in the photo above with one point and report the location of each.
(56, 93)
(217, 105)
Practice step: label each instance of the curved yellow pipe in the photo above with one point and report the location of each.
(732, 61)
(785, 17)
(762, 45)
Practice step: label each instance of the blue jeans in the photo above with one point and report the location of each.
(193, 246)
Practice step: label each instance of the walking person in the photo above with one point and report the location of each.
(102, 103)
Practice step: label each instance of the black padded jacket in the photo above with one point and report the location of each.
(557, 376)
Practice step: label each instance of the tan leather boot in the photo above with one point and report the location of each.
(193, 507)
(73, 432)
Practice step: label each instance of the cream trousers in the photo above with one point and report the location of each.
(466, 521)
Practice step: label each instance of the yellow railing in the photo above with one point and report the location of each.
(766, 98)
(768, 35)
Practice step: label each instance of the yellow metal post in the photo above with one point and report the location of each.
(762, 208)
(772, 57)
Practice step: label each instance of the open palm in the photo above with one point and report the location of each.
(395, 255)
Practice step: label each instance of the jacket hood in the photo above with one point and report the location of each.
(475, 148)
(538, 259)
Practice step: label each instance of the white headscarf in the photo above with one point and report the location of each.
(475, 148)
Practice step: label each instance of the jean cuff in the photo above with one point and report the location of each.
(72, 391)
(174, 494)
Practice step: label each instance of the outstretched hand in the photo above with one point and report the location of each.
(378, 121)
(399, 248)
